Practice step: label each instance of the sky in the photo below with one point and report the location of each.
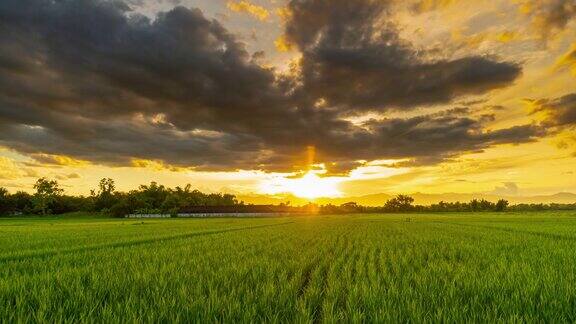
(310, 97)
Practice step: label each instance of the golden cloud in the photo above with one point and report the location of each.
(244, 6)
(61, 160)
(284, 13)
(283, 45)
(8, 169)
(431, 5)
(568, 60)
(12, 170)
(507, 36)
(157, 165)
(477, 39)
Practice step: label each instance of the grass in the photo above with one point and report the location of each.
(383, 268)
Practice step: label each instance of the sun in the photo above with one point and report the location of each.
(309, 186)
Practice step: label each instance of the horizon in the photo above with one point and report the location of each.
(369, 200)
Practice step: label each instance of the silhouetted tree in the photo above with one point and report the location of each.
(47, 191)
(23, 202)
(501, 205)
(5, 202)
(105, 198)
(400, 203)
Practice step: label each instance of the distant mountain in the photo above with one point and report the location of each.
(561, 197)
(419, 198)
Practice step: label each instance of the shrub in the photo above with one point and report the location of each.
(120, 209)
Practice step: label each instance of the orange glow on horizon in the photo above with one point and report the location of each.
(309, 186)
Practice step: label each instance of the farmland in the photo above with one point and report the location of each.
(412, 267)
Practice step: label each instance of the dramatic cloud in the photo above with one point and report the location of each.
(85, 78)
(427, 137)
(354, 59)
(93, 81)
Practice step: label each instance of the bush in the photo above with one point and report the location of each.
(120, 209)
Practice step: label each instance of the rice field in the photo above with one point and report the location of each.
(378, 268)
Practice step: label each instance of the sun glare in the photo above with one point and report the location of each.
(309, 186)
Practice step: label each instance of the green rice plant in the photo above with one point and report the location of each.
(511, 267)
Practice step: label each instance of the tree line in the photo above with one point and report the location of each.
(404, 203)
(49, 198)
(153, 198)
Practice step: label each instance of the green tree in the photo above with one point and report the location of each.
(47, 191)
(501, 205)
(22, 201)
(400, 203)
(153, 195)
(105, 198)
(171, 204)
(106, 186)
(5, 202)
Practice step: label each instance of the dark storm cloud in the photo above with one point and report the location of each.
(95, 81)
(430, 137)
(354, 59)
(559, 112)
(83, 69)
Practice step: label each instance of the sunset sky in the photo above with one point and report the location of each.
(310, 97)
